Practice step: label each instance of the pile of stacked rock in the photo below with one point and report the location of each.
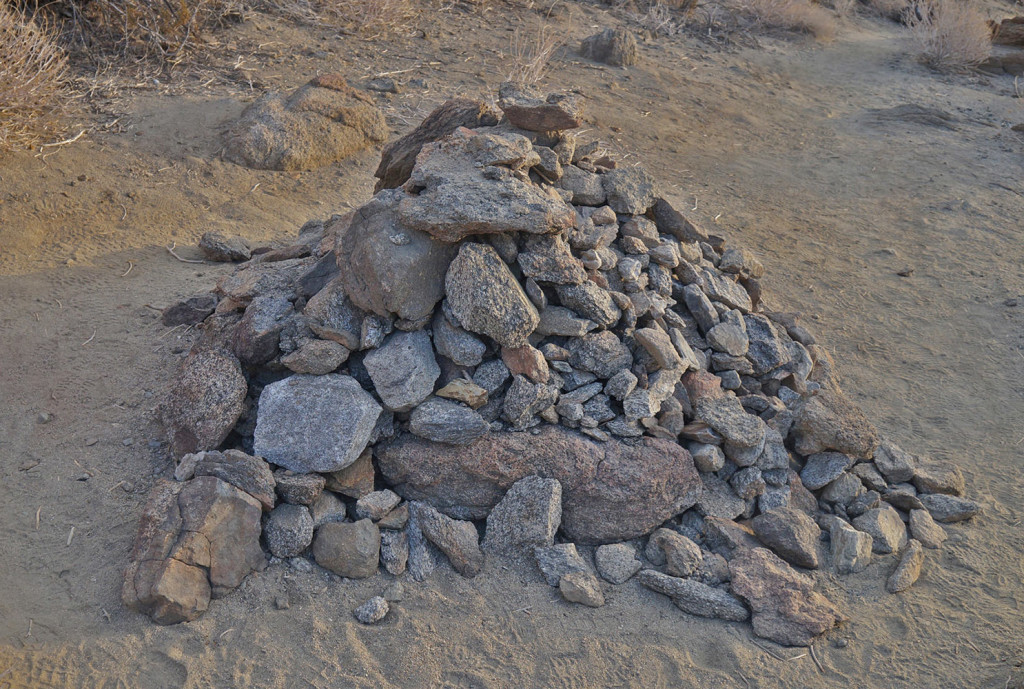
(517, 337)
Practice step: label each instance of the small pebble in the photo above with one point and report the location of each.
(372, 611)
(281, 603)
(44, 417)
(840, 643)
(128, 442)
(89, 442)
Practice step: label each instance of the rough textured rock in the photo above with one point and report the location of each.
(257, 335)
(348, 549)
(695, 597)
(924, 529)
(394, 551)
(447, 422)
(615, 47)
(601, 353)
(189, 311)
(829, 421)
(243, 471)
(786, 608)
(526, 108)
(527, 516)
(403, 370)
(288, 530)
(590, 301)
(555, 561)
(321, 123)
(314, 423)
(206, 400)
(682, 556)
(316, 357)
(195, 540)
(355, 480)
(219, 247)
(851, 549)
(486, 298)
(299, 489)
(465, 391)
(399, 156)
(617, 562)
(389, 269)
(908, 570)
(582, 588)
(949, 508)
(452, 341)
(376, 504)
(887, 530)
(630, 190)
(333, 316)
(896, 465)
(931, 478)
(791, 534)
(372, 611)
(610, 491)
(327, 508)
(457, 539)
(463, 189)
(527, 361)
(823, 468)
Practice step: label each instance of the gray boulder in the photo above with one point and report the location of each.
(617, 562)
(288, 530)
(791, 534)
(555, 561)
(403, 370)
(457, 539)
(527, 516)
(615, 47)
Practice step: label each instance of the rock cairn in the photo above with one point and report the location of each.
(518, 337)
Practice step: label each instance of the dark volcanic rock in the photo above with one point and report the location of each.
(610, 491)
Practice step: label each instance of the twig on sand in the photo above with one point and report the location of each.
(125, 209)
(814, 657)
(65, 142)
(91, 338)
(170, 250)
(38, 512)
(71, 534)
(130, 266)
(769, 651)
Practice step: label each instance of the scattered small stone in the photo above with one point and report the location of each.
(555, 561)
(949, 508)
(908, 570)
(924, 529)
(372, 611)
(582, 588)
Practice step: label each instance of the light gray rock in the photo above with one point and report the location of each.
(700, 307)
(659, 346)
(719, 500)
(403, 370)
(314, 423)
(727, 416)
(555, 561)
(741, 262)
(887, 530)
(394, 551)
(617, 562)
(316, 357)
(491, 375)
(372, 611)
(721, 289)
(376, 504)
(558, 320)
(791, 534)
(830, 421)
(707, 458)
(694, 597)
(931, 478)
(217, 246)
(288, 530)
(585, 187)
(621, 384)
(616, 47)
(682, 556)
(896, 465)
(448, 422)
(823, 468)
(949, 508)
(332, 316)
(524, 400)
(457, 539)
(851, 549)
(748, 483)
(591, 302)
(548, 259)
(601, 353)
(630, 190)
(582, 588)
(455, 343)
(528, 516)
(527, 108)
(767, 351)
(487, 299)
(909, 569)
(924, 529)
(728, 338)
(843, 491)
(298, 489)
(328, 507)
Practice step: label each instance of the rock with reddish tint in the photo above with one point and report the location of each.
(526, 108)
(206, 400)
(243, 471)
(348, 549)
(195, 540)
(830, 421)
(791, 534)
(527, 516)
(355, 480)
(611, 491)
(527, 361)
(456, 538)
(314, 423)
(786, 608)
(190, 311)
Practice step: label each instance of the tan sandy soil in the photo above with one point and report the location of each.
(773, 146)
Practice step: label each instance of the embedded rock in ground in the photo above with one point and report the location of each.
(460, 189)
(398, 157)
(348, 549)
(682, 556)
(786, 608)
(189, 311)
(949, 508)
(219, 247)
(791, 534)
(195, 540)
(527, 108)
(403, 370)
(932, 478)
(487, 299)
(457, 539)
(555, 561)
(314, 423)
(288, 531)
(851, 549)
(447, 422)
(582, 588)
(527, 516)
(243, 471)
(885, 527)
(610, 491)
(830, 421)
(617, 562)
(394, 551)
(694, 597)
(206, 400)
(320, 123)
(388, 268)
(908, 570)
(615, 47)
(924, 529)
(372, 611)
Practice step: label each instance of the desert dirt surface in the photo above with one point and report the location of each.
(784, 146)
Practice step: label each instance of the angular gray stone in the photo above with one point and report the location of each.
(659, 346)
(591, 302)
(328, 507)
(700, 307)
(548, 259)
(524, 400)
(316, 357)
(486, 298)
(621, 384)
(299, 489)
(682, 556)
(601, 353)
(372, 611)
(457, 539)
(630, 190)
(333, 316)
(933, 478)
(617, 562)
(403, 370)
(491, 375)
(851, 549)
(444, 421)
(376, 504)
(830, 421)
(949, 508)
(924, 529)
(843, 491)
(896, 465)
(558, 320)
(314, 423)
(887, 530)
(243, 471)
(220, 247)
(909, 569)
(453, 342)
(288, 530)
(258, 333)
(696, 598)
(721, 289)
(615, 47)
(823, 468)
(555, 561)
(748, 483)
(394, 551)
(585, 187)
(582, 588)
(726, 415)
(527, 108)
(719, 500)
(728, 338)
(767, 350)
(707, 458)
(348, 549)
(791, 534)
(527, 516)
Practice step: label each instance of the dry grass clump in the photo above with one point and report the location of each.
(32, 75)
(794, 15)
(952, 35)
(530, 53)
(371, 17)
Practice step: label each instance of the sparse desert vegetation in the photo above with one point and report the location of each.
(950, 34)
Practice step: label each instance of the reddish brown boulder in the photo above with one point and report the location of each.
(786, 608)
(206, 399)
(611, 491)
(195, 540)
(830, 421)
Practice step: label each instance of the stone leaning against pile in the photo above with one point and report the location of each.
(518, 330)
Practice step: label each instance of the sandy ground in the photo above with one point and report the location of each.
(774, 145)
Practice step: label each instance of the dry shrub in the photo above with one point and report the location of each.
(531, 52)
(951, 35)
(659, 18)
(796, 15)
(32, 75)
(896, 10)
(373, 17)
